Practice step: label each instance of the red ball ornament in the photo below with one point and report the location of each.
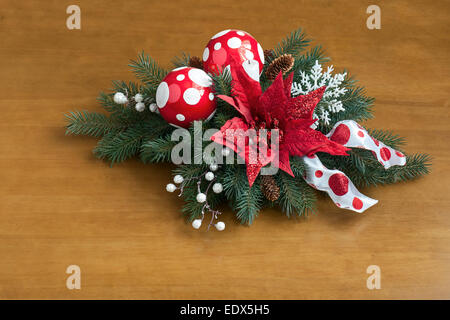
(236, 46)
(185, 95)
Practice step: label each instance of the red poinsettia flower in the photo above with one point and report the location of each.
(273, 109)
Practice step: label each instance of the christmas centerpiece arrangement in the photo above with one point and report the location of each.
(250, 128)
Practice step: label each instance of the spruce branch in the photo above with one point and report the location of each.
(293, 44)
(388, 138)
(222, 82)
(296, 196)
(117, 147)
(297, 166)
(90, 124)
(234, 180)
(306, 61)
(181, 61)
(369, 172)
(147, 70)
(157, 150)
(222, 86)
(248, 202)
(357, 105)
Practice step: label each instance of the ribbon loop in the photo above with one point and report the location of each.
(350, 134)
(338, 186)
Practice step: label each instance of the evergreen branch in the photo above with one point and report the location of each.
(147, 70)
(181, 61)
(296, 196)
(90, 124)
(388, 138)
(189, 171)
(117, 147)
(306, 62)
(357, 105)
(234, 180)
(192, 208)
(372, 173)
(224, 112)
(297, 166)
(222, 83)
(248, 202)
(157, 150)
(293, 44)
(416, 165)
(117, 110)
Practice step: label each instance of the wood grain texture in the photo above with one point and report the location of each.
(61, 206)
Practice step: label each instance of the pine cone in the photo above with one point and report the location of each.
(269, 188)
(268, 54)
(283, 64)
(195, 62)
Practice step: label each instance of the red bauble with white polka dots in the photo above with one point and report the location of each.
(185, 95)
(234, 46)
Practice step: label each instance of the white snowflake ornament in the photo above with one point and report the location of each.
(314, 79)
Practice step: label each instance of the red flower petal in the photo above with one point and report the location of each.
(301, 140)
(272, 103)
(302, 107)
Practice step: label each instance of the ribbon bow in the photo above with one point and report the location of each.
(334, 182)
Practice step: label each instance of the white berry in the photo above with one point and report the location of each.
(217, 187)
(138, 97)
(171, 187)
(201, 197)
(153, 107)
(197, 223)
(178, 179)
(213, 167)
(209, 176)
(220, 226)
(140, 106)
(226, 152)
(120, 98)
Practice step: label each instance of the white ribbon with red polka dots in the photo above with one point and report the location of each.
(338, 186)
(351, 134)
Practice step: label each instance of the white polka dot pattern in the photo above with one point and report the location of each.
(234, 43)
(191, 96)
(205, 54)
(200, 77)
(232, 46)
(185, 95)
(162, 94)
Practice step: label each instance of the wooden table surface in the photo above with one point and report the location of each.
(60, 206)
